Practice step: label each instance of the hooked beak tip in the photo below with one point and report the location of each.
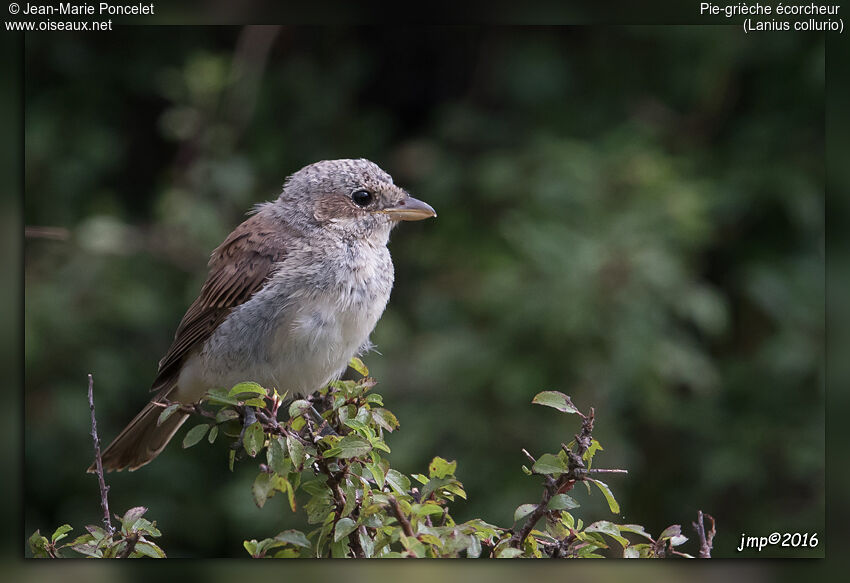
(411, 209)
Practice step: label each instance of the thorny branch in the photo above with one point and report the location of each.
(402, 519)
(706, 539)
(576, 471)
(104, 489)
(131, 541)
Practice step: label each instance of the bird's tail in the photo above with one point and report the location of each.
(141, 441)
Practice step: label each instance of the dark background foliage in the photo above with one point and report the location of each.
(630, 215)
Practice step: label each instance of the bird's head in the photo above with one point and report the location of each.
(352, 196)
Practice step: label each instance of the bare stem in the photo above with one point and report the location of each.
(402, 519)
(104, 489)
(706, 540)
(131, 541)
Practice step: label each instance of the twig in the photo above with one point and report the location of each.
(518, 538)
(104, 489)
(131, 541)
(706, 540)
(54, 233)
(405, 524)
(576, 471)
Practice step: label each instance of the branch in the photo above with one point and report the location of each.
(104, 489)
(576, 471)
(402, 519)
(706, 540)
(131, 540)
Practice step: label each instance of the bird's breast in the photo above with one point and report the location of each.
(299, 332)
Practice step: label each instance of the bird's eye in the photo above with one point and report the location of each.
(361, 197)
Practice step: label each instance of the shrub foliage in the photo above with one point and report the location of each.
(334, 466)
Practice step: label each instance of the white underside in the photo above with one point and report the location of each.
(292, 341)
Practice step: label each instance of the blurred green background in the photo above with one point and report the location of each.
(631, 215)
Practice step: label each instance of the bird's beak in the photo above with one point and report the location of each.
(410, 209)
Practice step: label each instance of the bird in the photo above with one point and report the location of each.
(291, 295)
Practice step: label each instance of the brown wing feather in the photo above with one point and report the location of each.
(238, 268)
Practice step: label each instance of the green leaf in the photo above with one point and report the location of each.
(350, 492)
(213, 434)
(526, 471)
(609, 496)
(339, 549)
(509, 553)
(166, 413)
(38, 545)
(195, 435)
(262, 488)
(254, 438)
(609, 528)
(147, 527)
(633, 552)
(670, 532)
(293, 537)
(253, 388)
(226, 414)
(89, 549)
(556, 400)
(265, 486)
(97, 532)
(523, 510)
(219, 397)
(433, 485)
(398, 481)
(358, 365)
(440, 468)
(276, 455)
(82, 539)
(473, 549)
(357, 425)
(636, 529)
(149, 549)
(299, 407)
(348, 447)
(376, 470)
(428, 509)
(251, 546)
(344, 527)
(422, 478)
(594, 447)
(290, 492)
(457, 489)
(549, 464)
(385, 419)
(561, 502)
(316, 487)
(61, 533)
(132, 516)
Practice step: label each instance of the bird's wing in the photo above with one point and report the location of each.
(238, 268)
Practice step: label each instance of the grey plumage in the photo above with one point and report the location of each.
(292, 294)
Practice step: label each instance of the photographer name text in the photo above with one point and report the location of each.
(101, 9)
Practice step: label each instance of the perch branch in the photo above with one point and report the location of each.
(104, 489)
(402, 519)
(706, 539)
